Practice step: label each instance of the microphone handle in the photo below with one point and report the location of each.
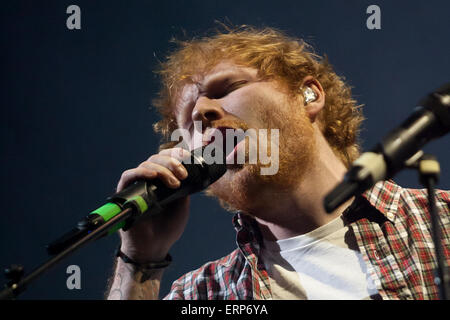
(143, 197)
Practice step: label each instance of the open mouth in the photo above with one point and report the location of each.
(231, 140)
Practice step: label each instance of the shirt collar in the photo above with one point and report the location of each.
(384, 196)
(246, 228)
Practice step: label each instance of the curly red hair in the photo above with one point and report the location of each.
(275, 56)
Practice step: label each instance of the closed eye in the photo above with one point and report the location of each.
(223, 91)
(218, 91)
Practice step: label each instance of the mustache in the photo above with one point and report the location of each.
(230, 123)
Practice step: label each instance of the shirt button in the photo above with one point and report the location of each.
(376, 254)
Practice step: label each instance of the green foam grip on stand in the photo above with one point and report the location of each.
(140, 202)
(108, 211)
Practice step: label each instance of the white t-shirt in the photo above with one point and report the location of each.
(320, 265)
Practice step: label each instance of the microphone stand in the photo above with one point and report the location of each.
(18, 282)
(429, 171)
(126, 206)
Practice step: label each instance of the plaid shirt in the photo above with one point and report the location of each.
(391, 225)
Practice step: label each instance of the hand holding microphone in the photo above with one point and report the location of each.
(151, 239)
(157, 193)
(158, 199)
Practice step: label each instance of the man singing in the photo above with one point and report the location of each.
(375, 246)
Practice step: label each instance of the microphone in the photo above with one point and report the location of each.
(401, 147)
(147, 198)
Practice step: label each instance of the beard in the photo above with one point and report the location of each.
(244, 188)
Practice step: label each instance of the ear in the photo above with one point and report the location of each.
(314, 107)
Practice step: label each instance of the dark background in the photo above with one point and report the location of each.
(75, 109)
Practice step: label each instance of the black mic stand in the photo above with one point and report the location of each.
(18, 282)
(429, 171)
(140, 198)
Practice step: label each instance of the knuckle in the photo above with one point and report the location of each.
(143, 164)
(174, 163)
(125, 174)
(178, 152)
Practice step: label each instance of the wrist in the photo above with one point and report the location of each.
(142, 256)
(147, 269)
(160, 264)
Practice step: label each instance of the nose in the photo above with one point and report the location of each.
(207, 110)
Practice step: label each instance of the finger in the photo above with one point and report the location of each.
(170, 163)
(177, 153)
(164, 174)
(131, 175)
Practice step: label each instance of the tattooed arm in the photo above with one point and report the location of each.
(129, 284)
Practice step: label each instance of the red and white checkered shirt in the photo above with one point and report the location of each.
(391, 226)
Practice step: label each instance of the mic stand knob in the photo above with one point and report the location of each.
(14, 274)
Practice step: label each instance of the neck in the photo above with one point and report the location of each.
(302, 209)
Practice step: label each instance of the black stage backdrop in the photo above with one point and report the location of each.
(75, 109)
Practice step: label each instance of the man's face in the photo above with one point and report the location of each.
(231, 96)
